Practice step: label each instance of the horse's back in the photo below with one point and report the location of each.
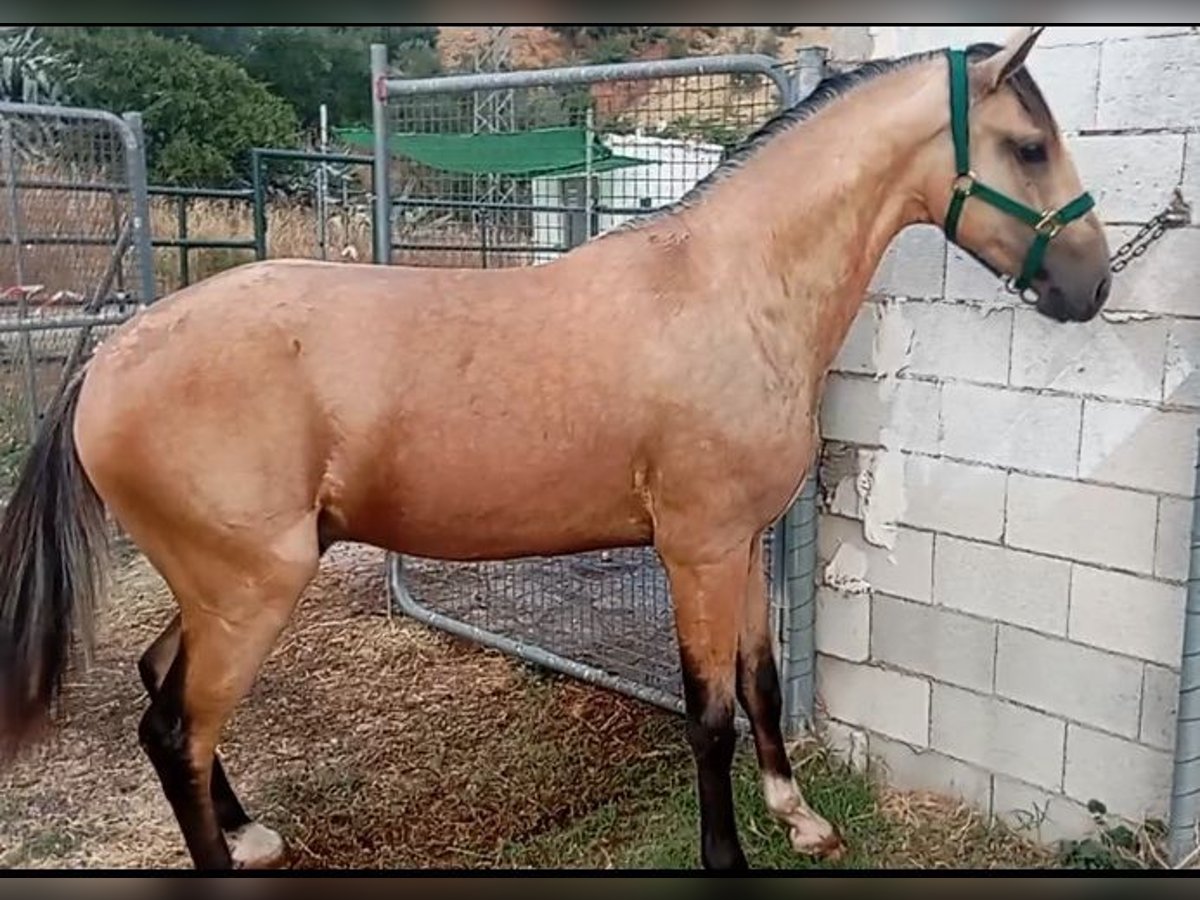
(409, 405)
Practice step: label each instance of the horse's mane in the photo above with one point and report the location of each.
(830, 89)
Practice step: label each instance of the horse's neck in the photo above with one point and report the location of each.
(813, 211)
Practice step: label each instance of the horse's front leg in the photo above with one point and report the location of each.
(708, 588)
(759, 694)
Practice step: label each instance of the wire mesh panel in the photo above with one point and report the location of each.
(519, 176)
(74, 253)
(512, 175)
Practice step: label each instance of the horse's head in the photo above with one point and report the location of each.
(1003, 184)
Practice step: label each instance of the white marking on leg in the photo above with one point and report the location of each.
(255, 846)
(809, 832)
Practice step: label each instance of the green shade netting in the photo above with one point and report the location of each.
(540, 152)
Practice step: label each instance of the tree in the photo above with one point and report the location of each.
(202, 113)
(311, 65)
(30, 70)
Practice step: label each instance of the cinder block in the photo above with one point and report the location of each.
(1104, 525)
(913, 265)
(1010, 428)
(909, 769)
(850, 743)
(1181, 383)
(1120, 361)
(946, 645)
(843, 625)
(1058, 35)
(960, 341)
(908, 574)
(1139, 447)
(1130, 175)
(1068, 76)
(954, 498)
(1160, 702)
(1173, 550)
(1126, 614)
(864, 411)
(1131, 779)
(967, 279)
(857, 355)
(891, 703)
(1191, 172)
(1163, 280)
(903, 39)
(1150, 83)
(998, 583)
(1041, 816)
(1069, 680)
(998, 735)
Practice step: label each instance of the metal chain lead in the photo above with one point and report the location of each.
(1177, 214)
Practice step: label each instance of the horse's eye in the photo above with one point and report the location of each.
(1032, 153)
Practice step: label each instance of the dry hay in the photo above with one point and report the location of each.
(933, 831)
(368, 743)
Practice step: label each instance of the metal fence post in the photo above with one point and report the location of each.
(260, 205)
(380, 170)
(799, 562)
(11, 176)
(810, 70)
(135, 160)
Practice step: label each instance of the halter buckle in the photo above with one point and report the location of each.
(1027, 293)
(1049, 224)
(965, 184)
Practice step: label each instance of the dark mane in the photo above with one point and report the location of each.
(832, 88)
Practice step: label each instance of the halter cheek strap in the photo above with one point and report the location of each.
(966, 184)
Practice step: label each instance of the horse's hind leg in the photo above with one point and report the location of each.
(758, 692)
(708, 590)
(252, 844)
(231, 616)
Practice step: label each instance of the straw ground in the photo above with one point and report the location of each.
(399, 747)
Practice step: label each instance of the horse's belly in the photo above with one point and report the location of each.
(488, 500)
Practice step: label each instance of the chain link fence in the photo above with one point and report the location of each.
(75, 258)
(516, 169)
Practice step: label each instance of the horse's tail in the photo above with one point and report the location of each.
(53, 555)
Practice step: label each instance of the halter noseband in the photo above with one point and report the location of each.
(1046, 224)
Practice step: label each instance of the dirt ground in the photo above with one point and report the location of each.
(369, 743)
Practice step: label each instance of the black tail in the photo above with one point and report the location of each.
(53, 554)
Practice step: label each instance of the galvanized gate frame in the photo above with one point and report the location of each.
(134, 235)
(792, 581)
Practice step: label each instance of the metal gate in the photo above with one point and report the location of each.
(76, 257)
(545, 160)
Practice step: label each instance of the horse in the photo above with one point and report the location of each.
(657, 386)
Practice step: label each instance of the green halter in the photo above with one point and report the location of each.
(966, 184)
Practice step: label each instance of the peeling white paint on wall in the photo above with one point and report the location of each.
(1119, 318)
(880, 485)
(885, 499)
(892, 346)
(847, 570)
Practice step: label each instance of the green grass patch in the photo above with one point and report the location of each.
(657, 826)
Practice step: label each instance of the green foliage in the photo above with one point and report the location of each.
(311, 65)
(611, 49)
(1115, 845)
(706, 130)
(202, 113)
(617, 43)
(30, 70)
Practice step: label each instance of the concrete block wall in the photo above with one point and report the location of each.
(1006, 501)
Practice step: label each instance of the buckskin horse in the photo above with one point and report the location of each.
(657, 386)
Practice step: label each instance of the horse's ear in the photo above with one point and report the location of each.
(996, 69)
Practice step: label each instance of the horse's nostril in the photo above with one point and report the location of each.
(1102, 289)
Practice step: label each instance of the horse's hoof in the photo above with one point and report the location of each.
(829, 848)
(255, 846)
